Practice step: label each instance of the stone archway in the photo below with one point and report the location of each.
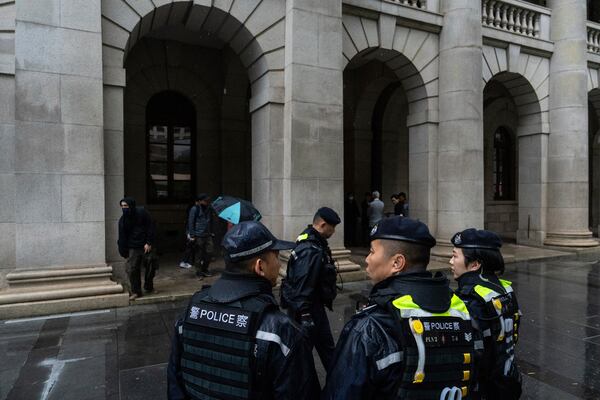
(412, 57)
(254, 33)
(512, 109)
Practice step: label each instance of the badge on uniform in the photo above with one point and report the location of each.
(214, 316)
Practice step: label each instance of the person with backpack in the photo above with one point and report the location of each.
(200, 235)
(232, 341)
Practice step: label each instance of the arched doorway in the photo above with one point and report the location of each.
(500, 159)
(228, 60)
(175, 86)
(514, 143)
(381, 88)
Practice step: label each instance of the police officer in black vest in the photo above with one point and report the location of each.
(233, 342)
(414, 339)
(310, 283)
(476, 259)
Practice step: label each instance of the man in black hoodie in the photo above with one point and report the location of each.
(414, 339)
(136, 235)
(310, 284)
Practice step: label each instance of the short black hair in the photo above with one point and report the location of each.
(491, 260)
(401, 194)
(417, 255)
(394, 196)
(243, 266)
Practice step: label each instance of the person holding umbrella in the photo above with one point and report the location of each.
(200, 234)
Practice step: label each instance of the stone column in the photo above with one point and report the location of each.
(58, 161)
(460, 197)
(568, 188)
(313, 174)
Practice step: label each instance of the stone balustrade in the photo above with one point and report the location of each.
(593, 37)
(512, 16)
(411, 3)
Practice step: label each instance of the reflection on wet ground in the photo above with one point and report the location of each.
(122, 353)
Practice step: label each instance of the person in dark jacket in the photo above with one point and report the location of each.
(232, 341)
(310, 283)
(200, 235)
(136, 236)
(414, 338)
(476, 259)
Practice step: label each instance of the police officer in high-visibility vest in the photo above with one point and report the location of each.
(476, 259)
(233, 342)
(414, 339)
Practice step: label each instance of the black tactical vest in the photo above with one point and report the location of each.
(439, 351)
(219, 350)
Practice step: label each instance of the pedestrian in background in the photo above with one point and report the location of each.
(136, 236)
(200, 234)
(375, 211)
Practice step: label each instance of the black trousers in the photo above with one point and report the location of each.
(135, 262)
(202, 253)
(320, 336)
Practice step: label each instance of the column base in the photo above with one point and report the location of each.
(571, 239)
(442, 250)
(349, 271)
(60, 290)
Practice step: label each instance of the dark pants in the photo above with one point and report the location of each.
(202, 253)
(134, 269)
(188, 253)
(320, 336)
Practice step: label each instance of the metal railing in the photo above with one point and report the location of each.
(512, 16)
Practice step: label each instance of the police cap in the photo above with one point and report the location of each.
(249, 239)
(328, 215)
(476, 239)
(403, 229)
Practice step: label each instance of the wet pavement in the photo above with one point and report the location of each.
(122, 353)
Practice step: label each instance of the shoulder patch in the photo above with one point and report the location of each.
(302, 237)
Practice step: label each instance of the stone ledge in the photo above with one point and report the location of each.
(59, 306)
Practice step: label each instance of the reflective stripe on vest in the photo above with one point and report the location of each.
(408, 308)
(426, 331)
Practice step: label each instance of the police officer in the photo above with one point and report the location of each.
(414, 338)
(476, 259)
(233, 342)
(310, 285)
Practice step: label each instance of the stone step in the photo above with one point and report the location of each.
(70, 280)
(59, 293)
(48, 273)
(64, 305)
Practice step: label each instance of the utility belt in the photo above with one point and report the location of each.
(439, 351)
(219, 345)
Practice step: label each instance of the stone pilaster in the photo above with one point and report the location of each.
(313, 173)
(460, 199)
(58, 159)
(567, 196)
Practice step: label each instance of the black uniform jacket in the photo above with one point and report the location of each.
(305, 274)
(286, 357)
(364, 366)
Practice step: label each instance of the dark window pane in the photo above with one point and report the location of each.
(158, 171)
(181, 153)
(160, 189)
(158, 152)
(158, 134)
(182, 135)
(182, 190)
(181, 172)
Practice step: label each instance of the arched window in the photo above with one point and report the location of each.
(171, 126)
(503, 171)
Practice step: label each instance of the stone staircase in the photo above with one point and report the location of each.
(33, 292)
